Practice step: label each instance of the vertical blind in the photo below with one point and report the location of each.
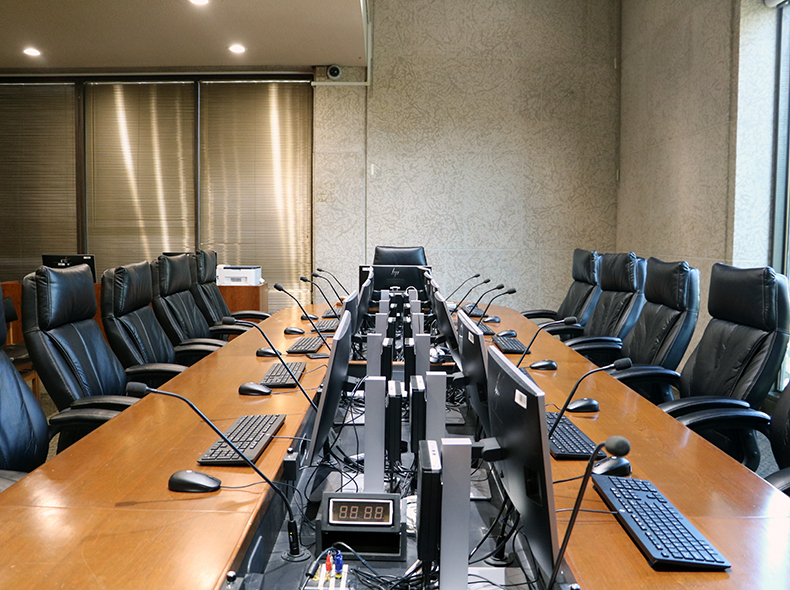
(139, 171)
(255, 185)
(37, 175)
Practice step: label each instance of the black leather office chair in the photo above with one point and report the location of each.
(621, 300)
(132, 329)
(24, 432)
(736, 361)
(664, 328)
(391, 255)
(582, 294)
(175, 306)
(208, 296)
(68, 350)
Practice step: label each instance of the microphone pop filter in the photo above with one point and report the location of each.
(228, 321)
(136, 389)
(621, 364)
(618, 446)
(570, 320)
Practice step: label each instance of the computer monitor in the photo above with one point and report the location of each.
(517, 413)
(472, 351)
(332, 386)
(445, 326)
(67, 260)
(365, 295)
(351, 305)
(402, 276)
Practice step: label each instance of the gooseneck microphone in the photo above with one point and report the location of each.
(569, 321)
(334, 277)
(617, 446)
(315, 275)
(618, 365)
(458, 306)
(230, 321)
(331, 306)
(485, 311)
(280, 288)
(294, 552)
(459, 286)
(479, 299)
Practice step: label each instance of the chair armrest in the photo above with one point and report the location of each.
(640, 374)
(106, 402)
(220, 330)
(251, 314)
(79, 419)
(153, 374)
(732, 418)
(566, 331)
(780, 480)
(189, 354)
(592, 340)
(687, 405)
(534, 314)
(214, 342)
(601, 352)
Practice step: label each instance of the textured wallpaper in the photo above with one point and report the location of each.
(695, 149)
(489, 135)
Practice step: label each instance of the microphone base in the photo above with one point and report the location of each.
(496, 562)
(303, 555)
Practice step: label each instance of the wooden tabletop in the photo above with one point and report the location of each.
(99, 515)
(746, 519)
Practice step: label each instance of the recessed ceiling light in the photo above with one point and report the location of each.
(237, 48)
(32, 52)
(200, 2)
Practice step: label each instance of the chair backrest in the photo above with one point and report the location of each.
(744, 343)
(24, 440)
(584, 291)
(399, 255)
(205, 291)
(622, 296)
(65, 343)
(174, 305)
(663, 330)
(134, 333)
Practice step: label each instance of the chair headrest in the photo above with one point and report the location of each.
(755, 297)
(132, 287)
(175, 274)
(64, 295)
(585, 266)
(399, 255)
(206, 262)
(672, 284)
(621, 272)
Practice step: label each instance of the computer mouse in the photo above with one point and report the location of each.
(585, 404)
(507, 334)
(253, 388)
(293, 330)
(312, 317)
(492, 319)
(265, 352)
(545, 365)
(187, 480)
(619, 466)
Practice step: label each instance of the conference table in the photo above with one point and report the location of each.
(99, 515)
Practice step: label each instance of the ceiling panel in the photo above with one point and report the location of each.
(114, 35)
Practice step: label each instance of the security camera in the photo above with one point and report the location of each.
(334, 72)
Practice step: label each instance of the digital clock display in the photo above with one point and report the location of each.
(360, 512)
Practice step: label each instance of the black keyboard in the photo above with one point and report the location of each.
(509, 345)
(250, 433)
(326, 325)
(487, 331)
(568, 442)
(306, 345)
(663, 534)
(472, 313)
(330, 312)
(277, 375)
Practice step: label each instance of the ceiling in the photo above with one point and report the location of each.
(175, 35)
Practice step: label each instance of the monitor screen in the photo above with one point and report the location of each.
(66, 260)
(365, 295)
(472, 351)
(517, 414)
(445, 326)
(332, 386)
(351, 305)
(401, 276)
